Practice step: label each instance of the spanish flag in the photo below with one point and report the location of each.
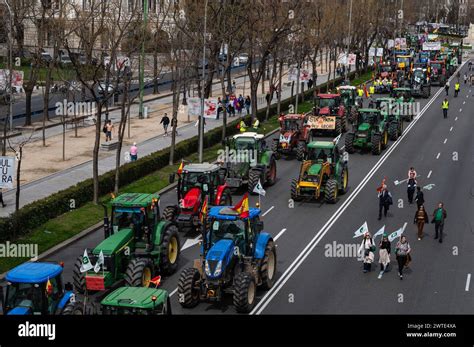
(156, 281)
(203, 214)
(180, 169)
(49, 288)
(243, 206)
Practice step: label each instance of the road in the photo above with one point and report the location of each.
(308, 282)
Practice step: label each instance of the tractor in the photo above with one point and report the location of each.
(36, 288)
(236, 258)
(370, 132)
(249, 161)
(329, 115)
(406, 103)
(195, 182)
(389, 109)
(324, 173)
(438, 73)
(384, 70)
(350, 100)
(138, 244)
(420, 83)
(293, 136)
(136, 301)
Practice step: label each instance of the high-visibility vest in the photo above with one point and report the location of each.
(372, 90)
(360, 92)
(445, 105)
(456, 86)
(256, 123)
(242, 126)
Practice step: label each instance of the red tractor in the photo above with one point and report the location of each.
(329, 115)
(195, 182)
(294, 135)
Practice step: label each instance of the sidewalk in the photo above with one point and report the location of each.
(47, 185)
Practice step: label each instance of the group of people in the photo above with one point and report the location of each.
(233, 105)
(402, 249)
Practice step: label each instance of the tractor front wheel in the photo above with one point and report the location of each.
(272, 173)
(254, 176)
(78, 277)
(384, 139)
(245, 292)
(300, 150)
(170, 250)
(268, 267)
(294, 190)
(170, 212)
(344, 181)
(338, 126)
(330, 191)
(349, 143)
(376, 144)
(188, 292)
(139, 273)
(275, 145)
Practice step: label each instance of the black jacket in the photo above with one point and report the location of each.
(385, 245)
(420, 199)
(385, 198)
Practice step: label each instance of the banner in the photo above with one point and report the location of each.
(372, 52)
(432, 46)
(293, 75)
(351, 59)
(342, 59)
(210, 107)
(7, 171)
(401, 42)
(17, 78)
(194, 107)
(379, 52)
(390, 44)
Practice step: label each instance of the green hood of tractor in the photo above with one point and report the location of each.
(364, 127)
(135, 297)
(314, 169)
(113, 243)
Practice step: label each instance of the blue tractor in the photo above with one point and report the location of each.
(236, 258)
(37, 288)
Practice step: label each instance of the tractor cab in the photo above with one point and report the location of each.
(322, 152)
(402, 94)
(291, 122)
(404, 62)
(369, 117)
(348, 95)
(37, 289)
(328, 101)
(252, 144)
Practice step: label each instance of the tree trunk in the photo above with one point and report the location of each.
(124, 108)
(95, 157)
(18, 177)
(28, 95)
(155, 73)
(280, 79)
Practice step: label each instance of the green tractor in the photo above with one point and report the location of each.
(136, 301)
(324, 173)
(249, 160)
(389, 110)
(138, 244)
(350, 100)
(370, 132)
(405, 103)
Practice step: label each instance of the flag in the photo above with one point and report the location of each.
(380, 232)
(366, 92)
(397, 233)
(336, 140)
(86, 262)
(243, 206)
(379, 189)
(259, 189)
(203, 213)
(156, 281)
(361, 231)
(49, 288)
(100, 262)
(180, 169)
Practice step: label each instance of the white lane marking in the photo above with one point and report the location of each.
(460, 110)
(429, 173)
(271, 208)
(268, 297)
(279, 234)
(464, 103)
(468, 281)
(173, 292)
(456, 118)
(445, 140)
(190, 243)
(437, 157)
(451, 129)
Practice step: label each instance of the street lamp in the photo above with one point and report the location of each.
(201, 117)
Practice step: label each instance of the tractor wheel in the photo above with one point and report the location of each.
(78, 277)
(275, 144)
(272, 173)
(300, 150)
(254, 176)
(330, 191)
(344, 122)
(139, 272)
(170, 250)
(338, 129)
(72, 309)
(344, 181)
(268, 267)
(349, 143)
(188, 294)
(294, 191)
(376, 144)
(226, 198)
(393, 131)
(353, 115)
(245, 292)
(384, 139)
(400, 128)
(170, 212)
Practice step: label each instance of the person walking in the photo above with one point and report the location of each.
(445, 107)
(385, 200)
(465, 78)
(1, 198)
(109, 127)
(165, 120)
(402, 251)
(310, 83)
(419, 198)
(457, 88)
(446, 88)
(219, 107)
(368, 248)
(421, 217)
(384, 254)
(439, 216)
(241, 103)
(134, 152)
(247, 105)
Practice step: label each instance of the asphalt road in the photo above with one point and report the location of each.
(308, 282)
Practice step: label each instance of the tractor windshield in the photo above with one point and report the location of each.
(325, 102)
(290, 124)
(245, 143)
(319, 154)
(367, 117)
(227, 229)
(193, 179)
(26, 295)
(123, 217)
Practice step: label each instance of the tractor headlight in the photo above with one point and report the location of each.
(207, 269)
(218, 270)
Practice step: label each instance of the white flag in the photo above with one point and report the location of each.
(336, 140)
(259, 189)
(397, 233)
(361, 231)
(380, 232)
(86, 262)
(100, 262)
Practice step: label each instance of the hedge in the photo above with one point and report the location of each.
(39, 212)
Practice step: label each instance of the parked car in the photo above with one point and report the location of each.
(46, 58)
(64, 60)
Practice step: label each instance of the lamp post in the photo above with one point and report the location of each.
(10, 64)
(142, 58)
(201, 117)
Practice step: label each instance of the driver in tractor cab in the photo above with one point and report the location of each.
(137, 225)
(323, 156)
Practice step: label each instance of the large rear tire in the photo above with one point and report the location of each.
(78, 277)
(344, 181)
(376, 144)
(254, 176)
(294, 191)
(245, 291)
(188, 294)
(72, 309)
(139, 273)
(300, 150)
(272, 173)
(330, 191)
(349, 143)
(268, 267)
(338, 128)
(393, 130)
(275, 144)
(170, 213)
(170, 250)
